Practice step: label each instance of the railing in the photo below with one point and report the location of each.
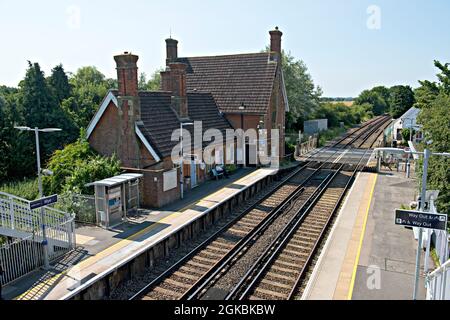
(23, 251)
(306, 146)
(82, 205)
(19, 258)
(18, 221)
(438, 283)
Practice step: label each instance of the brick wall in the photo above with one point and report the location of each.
(105, 137)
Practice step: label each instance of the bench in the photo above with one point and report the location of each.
(216, 174)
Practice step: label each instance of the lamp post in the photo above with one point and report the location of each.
(182, 125)
(41, 191)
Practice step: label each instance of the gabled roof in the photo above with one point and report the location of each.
(409, 118)
(159, 120)
(234, 80)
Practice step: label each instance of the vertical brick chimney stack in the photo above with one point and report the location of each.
(172, 50)
(127, 74)
(174, 80)
(275, 40)
(129, 109)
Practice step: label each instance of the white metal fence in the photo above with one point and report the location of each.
(438, 283)
(82, 205)
(23, 251)
(19, 258)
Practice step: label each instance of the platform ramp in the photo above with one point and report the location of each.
(21, 251)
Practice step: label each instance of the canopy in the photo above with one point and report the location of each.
(114, 181)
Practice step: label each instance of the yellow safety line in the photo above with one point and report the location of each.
(119, 245)
(355, 267)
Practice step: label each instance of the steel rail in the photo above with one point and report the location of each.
(227, 261)
(193, 252)
(322, 234)
(280, 239)
(210, 239)
(278, 244)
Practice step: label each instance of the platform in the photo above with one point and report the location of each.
(102, 251)
(367, 256)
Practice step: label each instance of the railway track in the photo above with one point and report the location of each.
(201, 273)
(280, 272)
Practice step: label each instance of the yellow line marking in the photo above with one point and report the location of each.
(355, 267)
(123, 243)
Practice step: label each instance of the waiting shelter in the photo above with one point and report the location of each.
(115, 198)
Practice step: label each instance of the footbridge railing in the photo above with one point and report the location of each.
(438, 283)
(22, 230)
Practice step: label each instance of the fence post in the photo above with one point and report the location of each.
(11, 211)
(443, 282)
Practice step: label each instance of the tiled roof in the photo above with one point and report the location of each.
(159, 120)
(234, 80)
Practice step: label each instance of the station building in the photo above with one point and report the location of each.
(407, 121)
(242, 91)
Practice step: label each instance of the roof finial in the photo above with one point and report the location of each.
(170, 33)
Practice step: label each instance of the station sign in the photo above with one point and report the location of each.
(43, 202)
(420, 219)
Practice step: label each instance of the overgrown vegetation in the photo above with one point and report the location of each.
(329, 135)
(77, 165)
(433, 98)
(66, 101)
(27, 188)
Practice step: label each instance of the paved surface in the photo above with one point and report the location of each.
(101, 249)
(367, 256)
(387, 249)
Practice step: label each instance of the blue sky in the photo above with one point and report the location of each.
(343, 54)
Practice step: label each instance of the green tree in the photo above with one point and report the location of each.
(89, 87)
(5, 149)
(434, 100)
(154, 84)
(375, 99)
(17, 152)
(384, 93)
(429, 91)
(142, 83)
(401, 99)
(75, 166)
(39, 107)
(60, 83)
(303, 95)
(406, 134)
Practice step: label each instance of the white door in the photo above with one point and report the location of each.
(193, 174)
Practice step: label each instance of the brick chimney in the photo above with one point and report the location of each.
(172, 50)
(275, 40)
(174, 80)
(127, 74)
(129, 109)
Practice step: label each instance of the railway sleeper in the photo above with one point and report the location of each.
(284, 288)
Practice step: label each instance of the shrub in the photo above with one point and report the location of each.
(290, 148)
(75, 166)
